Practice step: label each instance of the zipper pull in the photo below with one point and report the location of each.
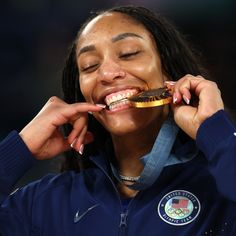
(123, 219)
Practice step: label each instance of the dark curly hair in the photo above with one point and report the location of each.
(178, 58)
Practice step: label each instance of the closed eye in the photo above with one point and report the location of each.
(129, 55)
(90, 68)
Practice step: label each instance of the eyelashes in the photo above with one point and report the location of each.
(89, 68)
(129, 54)
(122, 56)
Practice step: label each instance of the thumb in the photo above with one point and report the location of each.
(184, 117)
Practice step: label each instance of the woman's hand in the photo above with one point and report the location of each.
(43, 136)
(194, 100)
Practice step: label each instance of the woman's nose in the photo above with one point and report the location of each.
(110, 71)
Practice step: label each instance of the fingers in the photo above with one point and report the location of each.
(78, 142)
(76, 115)
(83, 139)
(185, 87)
(62, 112)
(56, 113)
(42, 132)
(189, 85)
(202, 97)
(205, 90)
(79, 136)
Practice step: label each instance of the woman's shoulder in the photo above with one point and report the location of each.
(55, 180)
(50, 184)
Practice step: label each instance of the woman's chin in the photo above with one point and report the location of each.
(122, 127)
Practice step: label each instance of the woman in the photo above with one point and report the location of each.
(139, 174)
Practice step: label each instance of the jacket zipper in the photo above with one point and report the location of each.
(123, 222)
(124, 214)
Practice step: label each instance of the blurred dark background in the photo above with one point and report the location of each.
(35, 36)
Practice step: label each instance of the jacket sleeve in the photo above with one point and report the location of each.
(216, 138)
(15, 160)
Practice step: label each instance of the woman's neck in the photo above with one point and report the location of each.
(128, 151)
(131, 147)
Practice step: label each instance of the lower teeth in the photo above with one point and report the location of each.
(118, 104)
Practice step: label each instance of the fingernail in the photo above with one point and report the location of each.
(170, 82)
(81, 149)
(101, 105)
(174, 98)
(186, 99)
(90, 112)
(73, 143)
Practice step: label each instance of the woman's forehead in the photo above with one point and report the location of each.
(109, 25)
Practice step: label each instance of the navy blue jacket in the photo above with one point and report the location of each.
(197, 197)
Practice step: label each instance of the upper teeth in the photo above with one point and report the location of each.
(119, 96)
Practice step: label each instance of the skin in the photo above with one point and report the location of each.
(42, 134)
(187, 117)
(104, 68)
(117, 58)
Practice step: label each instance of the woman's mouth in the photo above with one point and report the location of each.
(119, 99)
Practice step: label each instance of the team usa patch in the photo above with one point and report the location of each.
(179, 207)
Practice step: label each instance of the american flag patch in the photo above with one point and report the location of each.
(179, 203)
(179, 207)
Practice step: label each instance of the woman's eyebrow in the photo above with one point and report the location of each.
(86, 49)
(125, 35)
(114, 39)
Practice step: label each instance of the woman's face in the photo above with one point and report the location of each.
(117, 57)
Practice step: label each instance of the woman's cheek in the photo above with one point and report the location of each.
(86, 86)
(150, 74)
